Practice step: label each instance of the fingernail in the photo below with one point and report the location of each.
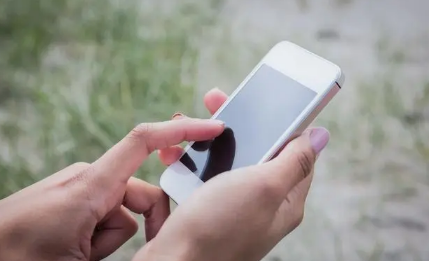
(219, 122)
(319, 138)
(177, 115)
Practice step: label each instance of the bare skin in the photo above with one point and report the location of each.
(83, 211)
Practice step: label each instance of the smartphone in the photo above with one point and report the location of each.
(278, 100)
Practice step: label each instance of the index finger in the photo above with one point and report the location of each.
(122, 160)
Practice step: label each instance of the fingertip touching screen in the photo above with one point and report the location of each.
(255, 119)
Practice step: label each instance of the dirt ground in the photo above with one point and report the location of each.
(369, 199)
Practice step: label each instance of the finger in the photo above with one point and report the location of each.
(297, 160)
(170, 155)
(119, 163)
(155, 218)
(149, 200)
(298, 194)
(291, 211)
(214, 99)
(113, 233)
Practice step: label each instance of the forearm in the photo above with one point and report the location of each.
(153, 252)
(15, 239)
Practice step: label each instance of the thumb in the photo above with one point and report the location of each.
(297, 159)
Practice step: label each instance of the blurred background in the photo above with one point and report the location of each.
(77, 75)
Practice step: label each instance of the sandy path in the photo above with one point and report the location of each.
(363, 211)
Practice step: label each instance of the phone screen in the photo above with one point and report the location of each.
(254, 121)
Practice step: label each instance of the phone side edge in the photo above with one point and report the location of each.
(304, 123)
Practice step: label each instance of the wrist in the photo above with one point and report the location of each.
(8, 250)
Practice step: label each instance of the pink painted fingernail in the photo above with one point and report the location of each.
(319, 138)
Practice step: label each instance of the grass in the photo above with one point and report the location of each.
(77, 75)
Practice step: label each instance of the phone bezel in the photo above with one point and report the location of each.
(319, 74)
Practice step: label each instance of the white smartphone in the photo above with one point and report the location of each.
(278, 100)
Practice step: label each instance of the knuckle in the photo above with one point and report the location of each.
(80, 165)
(79, 186)
(80, 174)
(133, 227)
(154, 192)
(304, 163)
(264, 188)
(298, 217)
(142, 133)
(159, 195)
(158, 192)
(270, 188)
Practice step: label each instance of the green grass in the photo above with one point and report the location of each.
(77, 75)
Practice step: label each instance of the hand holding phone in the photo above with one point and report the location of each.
(242, 214)
(276, 102)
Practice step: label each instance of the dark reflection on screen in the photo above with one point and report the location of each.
(220, 155)
(255, 119)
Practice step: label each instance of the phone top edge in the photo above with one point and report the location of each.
(338, 85)
(303, 66)
(340, 77)
(341, 80)
(285, 43)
